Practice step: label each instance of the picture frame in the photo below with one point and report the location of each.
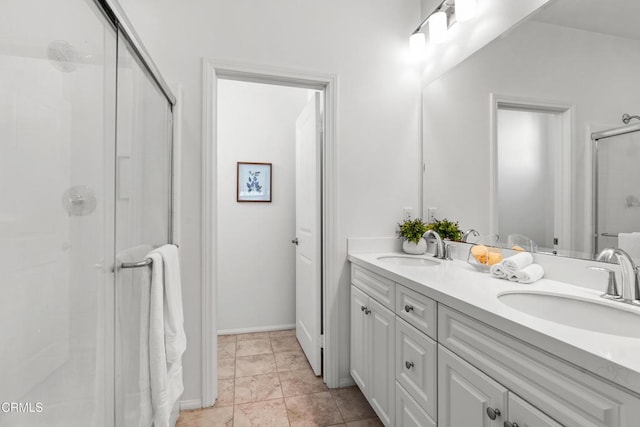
(253, 182)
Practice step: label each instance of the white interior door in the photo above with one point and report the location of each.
(308, 232)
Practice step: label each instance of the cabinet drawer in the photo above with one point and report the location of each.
(570, 396)
(408, 412)
(418, 310)
(380, 288)
(416, 365)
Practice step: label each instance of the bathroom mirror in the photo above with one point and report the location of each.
(507, 143)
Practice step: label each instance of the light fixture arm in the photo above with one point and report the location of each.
(440, 7)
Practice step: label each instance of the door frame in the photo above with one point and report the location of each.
(213, 70)
(563, 183)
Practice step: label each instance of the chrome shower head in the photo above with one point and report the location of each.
(626, 118)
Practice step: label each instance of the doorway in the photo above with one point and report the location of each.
(269, 245)
(224, 214)
(531, 174)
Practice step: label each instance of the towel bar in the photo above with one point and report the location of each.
(144, 263)
(139, 264)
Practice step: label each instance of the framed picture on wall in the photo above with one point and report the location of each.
(254, 182)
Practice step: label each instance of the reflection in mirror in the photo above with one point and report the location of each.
(617, 192)
(507, 133)
(528, 158)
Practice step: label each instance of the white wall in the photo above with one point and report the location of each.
(363, 42)
(256, 260)
(590, 71)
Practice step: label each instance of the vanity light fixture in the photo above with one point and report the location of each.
(438, 27)
(442, 17)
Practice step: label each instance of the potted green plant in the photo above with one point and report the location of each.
(411, 232)
(446, 229)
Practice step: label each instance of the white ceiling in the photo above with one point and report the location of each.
(619, 18)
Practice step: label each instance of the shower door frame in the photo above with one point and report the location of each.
(114, 15)
(595, 139)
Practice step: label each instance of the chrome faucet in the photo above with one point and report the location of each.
(469, 232)
(630, 273)
(440, 247)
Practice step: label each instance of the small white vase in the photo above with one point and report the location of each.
(415, 248)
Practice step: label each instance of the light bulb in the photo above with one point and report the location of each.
(417, 45)
(465, 10)
(437, 27)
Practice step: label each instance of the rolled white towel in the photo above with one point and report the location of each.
(529, 274)
(497, 270)
(512, 277)
(517, 262)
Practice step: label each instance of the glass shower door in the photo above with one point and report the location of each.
(618, 194)
(143, 207)
(57, 144)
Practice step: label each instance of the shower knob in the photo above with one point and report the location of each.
(79, 200)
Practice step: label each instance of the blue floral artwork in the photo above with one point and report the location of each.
(253, 185)
(254, 182)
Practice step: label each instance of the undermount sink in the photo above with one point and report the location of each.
(579, 313)
(408, 261)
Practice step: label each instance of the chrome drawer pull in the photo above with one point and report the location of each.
(493, 413)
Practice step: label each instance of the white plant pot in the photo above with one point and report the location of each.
(415, 248)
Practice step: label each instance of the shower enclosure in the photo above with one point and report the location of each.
(617, 195)
(85, 180)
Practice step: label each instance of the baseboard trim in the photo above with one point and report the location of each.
(186, 405)
(256, 329)
(346, 382)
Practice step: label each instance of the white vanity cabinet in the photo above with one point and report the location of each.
(372, 352)
(486, 403)
(392, 362)
(559, 391)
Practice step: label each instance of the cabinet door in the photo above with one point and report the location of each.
(408, 412)
(522, 414)
(359, 339)
(416, 367)
(381, 322)
(466, 396)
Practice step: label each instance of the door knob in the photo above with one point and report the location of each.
(493, 413)
(408, 308)
(408, 364)
(295, 241)
(508, 424)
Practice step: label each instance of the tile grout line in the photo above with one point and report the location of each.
(337, 406)
(284, 400)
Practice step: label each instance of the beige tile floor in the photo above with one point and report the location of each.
(265, 380)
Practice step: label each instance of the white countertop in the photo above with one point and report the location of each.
(460, 286)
